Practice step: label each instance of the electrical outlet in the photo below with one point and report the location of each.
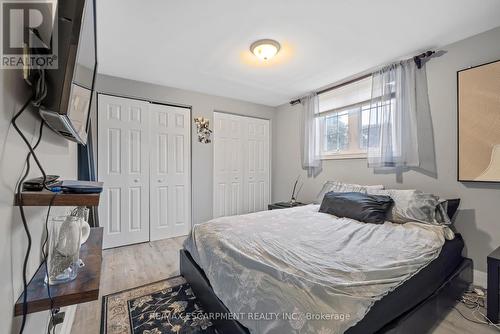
(57, 319)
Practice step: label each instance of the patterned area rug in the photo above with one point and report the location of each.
(165, 307)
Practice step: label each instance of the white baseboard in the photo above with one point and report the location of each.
(480, 278)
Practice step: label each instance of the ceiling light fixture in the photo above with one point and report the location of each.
(265, 49)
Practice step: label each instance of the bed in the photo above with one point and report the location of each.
(301, 271)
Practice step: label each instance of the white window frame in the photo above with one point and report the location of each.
(354, 130)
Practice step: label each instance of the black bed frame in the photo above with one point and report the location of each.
(420, 319)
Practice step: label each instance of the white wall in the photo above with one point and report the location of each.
(202, 105)
(58, 157)
(478, 217)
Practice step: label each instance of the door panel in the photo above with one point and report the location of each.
(170, 172)
(228, 166)
(241, 164)
(123, 167)
(257, 164)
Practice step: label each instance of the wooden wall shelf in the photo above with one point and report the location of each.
(83, 289)
(43, 198)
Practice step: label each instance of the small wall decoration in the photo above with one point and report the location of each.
(479, 123)
(204, 132)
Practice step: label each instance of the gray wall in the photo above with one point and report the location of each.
(202, 105)
(478, 219)
(58, 156)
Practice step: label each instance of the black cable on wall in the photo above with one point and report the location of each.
(39, 92)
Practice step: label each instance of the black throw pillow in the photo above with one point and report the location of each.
(452, 207)
(371, 209)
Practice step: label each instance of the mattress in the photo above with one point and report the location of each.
(395, 305)
(414, 291)
(300, 261)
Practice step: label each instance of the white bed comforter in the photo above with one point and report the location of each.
(301, 271)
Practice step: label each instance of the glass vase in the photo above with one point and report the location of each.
(64, 249)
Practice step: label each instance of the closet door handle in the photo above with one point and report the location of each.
(136, 180)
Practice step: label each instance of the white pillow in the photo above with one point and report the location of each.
(412, 205)
(341, 187)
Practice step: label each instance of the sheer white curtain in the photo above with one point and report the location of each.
(310, 135)
(392, 132)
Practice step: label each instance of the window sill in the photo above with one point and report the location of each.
(342, 156)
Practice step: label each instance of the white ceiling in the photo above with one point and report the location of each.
(203, 45)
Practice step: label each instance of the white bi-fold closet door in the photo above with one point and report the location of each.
(144, 161)
(241, 164)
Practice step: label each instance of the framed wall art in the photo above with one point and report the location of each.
(479, 123)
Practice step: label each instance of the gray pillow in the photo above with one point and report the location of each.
(340, 187)
(414, 206)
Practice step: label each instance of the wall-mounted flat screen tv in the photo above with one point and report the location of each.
(66, 107)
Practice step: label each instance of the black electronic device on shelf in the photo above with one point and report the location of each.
(36, 184)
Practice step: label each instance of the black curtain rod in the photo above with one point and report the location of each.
(417, 59)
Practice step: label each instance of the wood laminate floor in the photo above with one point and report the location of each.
(135, 265)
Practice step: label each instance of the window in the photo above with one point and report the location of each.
(343, 120)
(344, 133)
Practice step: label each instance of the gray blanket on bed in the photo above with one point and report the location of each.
(301, 271)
